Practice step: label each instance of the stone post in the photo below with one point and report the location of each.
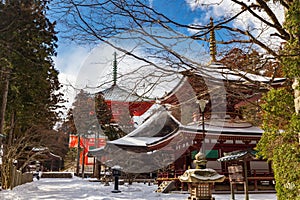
(296, 87)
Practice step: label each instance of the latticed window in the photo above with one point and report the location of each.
(201, 190)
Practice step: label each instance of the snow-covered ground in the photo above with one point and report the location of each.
(77, 188)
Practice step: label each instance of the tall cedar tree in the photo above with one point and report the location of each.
(28, 42)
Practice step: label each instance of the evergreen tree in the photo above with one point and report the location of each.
(280, 142)
(29, 81)
(92, 110)
(104, 114)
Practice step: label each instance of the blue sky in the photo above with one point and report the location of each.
(72, 56)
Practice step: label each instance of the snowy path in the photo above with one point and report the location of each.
(76, 188)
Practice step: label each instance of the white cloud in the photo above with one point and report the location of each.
(151, 3)
(68, 62)
(195, 4)
(70, 57)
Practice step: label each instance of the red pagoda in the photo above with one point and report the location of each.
(122, 102)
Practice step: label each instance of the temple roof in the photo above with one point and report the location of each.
(162, 126)
(216, 72)
(235, 130)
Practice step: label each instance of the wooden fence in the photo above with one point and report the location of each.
(19, 178)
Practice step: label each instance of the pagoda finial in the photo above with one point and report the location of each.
(115, 69)
(212, 42)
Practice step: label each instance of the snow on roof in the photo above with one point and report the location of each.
(40, 149)
(155, 123)
(219, 72)
(134, 141)
(115, 93)
(210, 130)
(234, 129)
(159, 126)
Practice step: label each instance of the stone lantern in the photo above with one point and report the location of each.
(116, 171)
(201, 179)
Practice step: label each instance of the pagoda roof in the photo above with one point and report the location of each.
(116, 93)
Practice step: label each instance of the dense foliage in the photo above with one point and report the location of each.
(281, 141)
(28, 42)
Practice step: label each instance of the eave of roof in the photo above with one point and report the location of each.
(240, 155)
(219, 72)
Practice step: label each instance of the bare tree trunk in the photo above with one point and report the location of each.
(4, 103)
(6, 172)
(5, 167)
